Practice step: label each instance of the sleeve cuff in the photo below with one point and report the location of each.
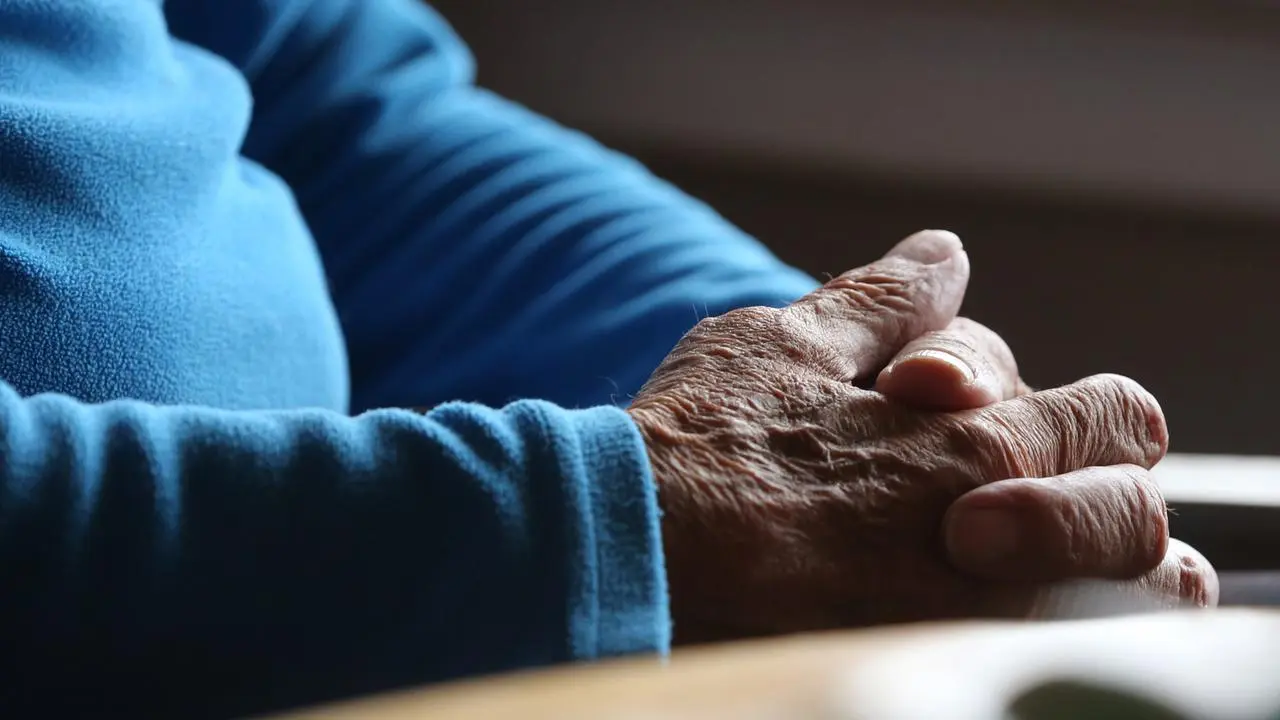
(618, 601)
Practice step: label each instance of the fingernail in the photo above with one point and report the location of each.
(928, 247)
(954, 362)
(982, 538)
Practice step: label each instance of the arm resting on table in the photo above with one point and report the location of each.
(192, 562)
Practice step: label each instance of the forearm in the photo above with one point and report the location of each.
(165, 560)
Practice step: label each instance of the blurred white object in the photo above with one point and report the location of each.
(1220, 480)
(1221, 665)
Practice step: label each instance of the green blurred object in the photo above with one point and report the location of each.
(1075, 700)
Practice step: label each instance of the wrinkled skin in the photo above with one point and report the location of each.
(795, 500)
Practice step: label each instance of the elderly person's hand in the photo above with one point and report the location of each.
(795, 500)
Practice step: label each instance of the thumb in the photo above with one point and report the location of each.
(964, 366)
(867, 315)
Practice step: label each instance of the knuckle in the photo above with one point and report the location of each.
(1145, 507)
(1124, 409)
(1066, 416)
(741, 327)
(993, 445)
(751, 315)
(1066, 422)
(755, 336)
(1137, 518)
(1118, 394)
(884, 285)
(738, 319)
(1147, 495)
(1061, 428)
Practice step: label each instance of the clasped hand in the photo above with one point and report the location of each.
(795, 499)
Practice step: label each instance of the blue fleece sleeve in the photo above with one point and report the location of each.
(180, 535)
(476, 250)
(184, 562)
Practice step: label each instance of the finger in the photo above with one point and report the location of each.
(1101, 420)
(1099, 522)
(962, 367)
(865, 316)
(1183, 579)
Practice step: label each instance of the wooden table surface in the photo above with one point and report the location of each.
(1212, 664)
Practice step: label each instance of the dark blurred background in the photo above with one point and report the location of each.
(1112, 165)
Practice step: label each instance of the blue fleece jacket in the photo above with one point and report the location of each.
(230, 230)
